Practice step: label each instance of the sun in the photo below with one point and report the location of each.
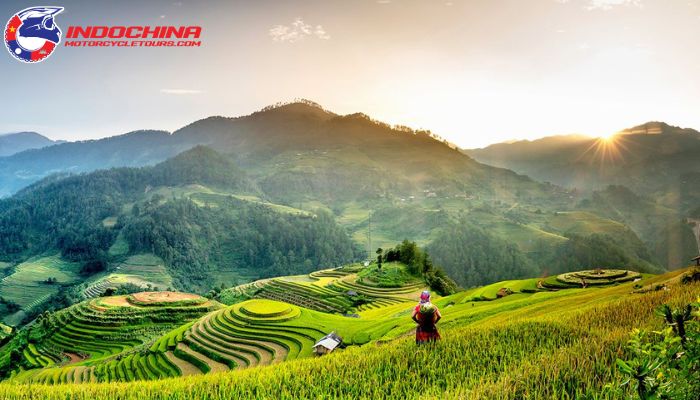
(608, 136)
(606, 150)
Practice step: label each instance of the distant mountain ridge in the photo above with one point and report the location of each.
(280, 132)
(340, 186)
(654, 159)
(657, 128)
(12, 143)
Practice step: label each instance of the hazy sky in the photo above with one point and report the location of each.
(473, 71)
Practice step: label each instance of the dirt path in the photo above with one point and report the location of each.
(166, 297)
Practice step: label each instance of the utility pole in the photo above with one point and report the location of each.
(369, 235)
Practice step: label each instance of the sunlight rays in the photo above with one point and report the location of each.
(604, 151)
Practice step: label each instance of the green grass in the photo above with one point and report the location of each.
(391, 274)
(205, 196)
(527, 236)
(147, 268)
(4, 266)
(265, 308)
(4, 331)
(120, 246)
(26, 286)
(584, 223)
(544, 345)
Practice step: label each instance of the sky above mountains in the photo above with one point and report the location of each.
(475, 72)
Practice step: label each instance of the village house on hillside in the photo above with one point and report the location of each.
(327, 344)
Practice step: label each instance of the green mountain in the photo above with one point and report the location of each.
(654, 159)
(289, 189)
(11, 143)
(644, 177)
(130, 150)
(67, 238)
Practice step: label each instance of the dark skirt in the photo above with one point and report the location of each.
(427, 334)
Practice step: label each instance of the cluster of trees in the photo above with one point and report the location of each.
(419, 263)
(9, 305)
(66, 213)
(474, 257)
(597, 250)
(236, 235)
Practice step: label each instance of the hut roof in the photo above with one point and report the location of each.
(330, 341)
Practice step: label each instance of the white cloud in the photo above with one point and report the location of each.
(180, 91)
(610, 4)
(298, 30)
(605, 5)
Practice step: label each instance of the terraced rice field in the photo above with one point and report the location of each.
(141, 270)
(261, 332)
(99, 287)
(26, 285)
(306, 295)
(598, 277)
(147, 268)
(490, 292)
(107, 339)
(335, 291)
(157, 335)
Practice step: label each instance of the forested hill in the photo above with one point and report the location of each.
(290, 189)
(11, 143)
(297, 146)
(646, 177)
(654, 159)
(83, 216)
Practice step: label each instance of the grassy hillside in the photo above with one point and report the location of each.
(34, 281)
(532, 343)
(193, 222)
(645, 177)
(663, 228)
(290, 189)
(101, 332)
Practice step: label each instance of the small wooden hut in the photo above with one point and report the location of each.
(327, 344)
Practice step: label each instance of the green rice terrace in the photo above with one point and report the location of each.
(35, 280)
(532, 338)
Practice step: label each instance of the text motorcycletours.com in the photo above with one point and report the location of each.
(133, 36)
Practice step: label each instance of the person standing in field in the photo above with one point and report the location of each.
(426, 315)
